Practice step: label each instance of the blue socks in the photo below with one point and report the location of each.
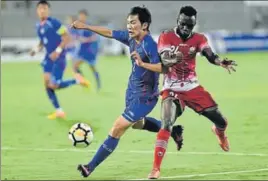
(97, 77)
(67, 83)
(110, 144)
(53, 98)
(151, 124)
(103, 152)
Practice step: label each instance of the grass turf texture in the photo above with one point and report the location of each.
(36, 148)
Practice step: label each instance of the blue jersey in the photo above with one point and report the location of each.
(88, 47)
(142, 82)
(50, 32)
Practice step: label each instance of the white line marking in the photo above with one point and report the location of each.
(130, 151)
(209, 174)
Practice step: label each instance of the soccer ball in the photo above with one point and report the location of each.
(81, 135)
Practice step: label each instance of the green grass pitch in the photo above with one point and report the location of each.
(36, 148)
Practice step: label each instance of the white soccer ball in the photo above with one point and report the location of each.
(81, 135)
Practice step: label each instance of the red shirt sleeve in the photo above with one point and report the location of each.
(203, 43)
(163, 43)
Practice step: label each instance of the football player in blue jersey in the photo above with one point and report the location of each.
(88, 48)
(142, 92)
(53, 37)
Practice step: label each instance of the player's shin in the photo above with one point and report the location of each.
(160, 147)
(109, 145)
(103, 152)
(53, 98)
(168, 117)
(215, 116)
(219, 127)
(97, 77)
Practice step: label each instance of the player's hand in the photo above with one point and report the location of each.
(54, 56)
(229, 65)
(136, 56)
(32, 53)
(78, 25)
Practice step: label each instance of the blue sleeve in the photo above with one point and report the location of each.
(122, 36)
(152, 52)
(88, 33)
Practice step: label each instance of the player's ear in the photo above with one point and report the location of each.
(144, 26)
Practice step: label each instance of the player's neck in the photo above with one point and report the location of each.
(43, 20)
(140, 38)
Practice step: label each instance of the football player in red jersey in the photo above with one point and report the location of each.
(178, 48)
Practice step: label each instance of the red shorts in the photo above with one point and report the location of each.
(197, 99)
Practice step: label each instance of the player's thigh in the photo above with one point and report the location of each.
(171, 100)
(58, 71)
(119, 127)
(47, 70)
(138, 108)
(199, 99)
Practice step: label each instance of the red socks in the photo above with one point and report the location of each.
(160, 147)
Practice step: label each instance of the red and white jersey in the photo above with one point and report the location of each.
(181, 76)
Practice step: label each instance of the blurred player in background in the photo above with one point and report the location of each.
(53, 36)
(88, 49)
(71, 47)
(142, 92)
(178, 48)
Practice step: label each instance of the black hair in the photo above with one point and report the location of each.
(188, 11)
(143, 14)
(83, 11)
(43, 2)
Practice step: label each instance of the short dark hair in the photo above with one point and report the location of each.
(188, 11)
(43, 2)
(143, 13)
(83, 11)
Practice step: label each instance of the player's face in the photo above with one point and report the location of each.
(134, 26)
(42, 11)
(186, 24)
(82, 17)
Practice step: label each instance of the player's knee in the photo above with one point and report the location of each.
(119, 128)
(167, 124)
(52, 86)
(216, 117)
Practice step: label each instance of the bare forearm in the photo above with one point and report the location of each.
(152, 67)
(100, 30)
(38, 48)
(211, 56)
(65, 40)
(40, 45)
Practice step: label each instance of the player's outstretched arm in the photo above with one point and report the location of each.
(97, 29)
(215, 59)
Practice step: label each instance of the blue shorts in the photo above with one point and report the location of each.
(56, 69)
(137, 108)
(91, 59)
